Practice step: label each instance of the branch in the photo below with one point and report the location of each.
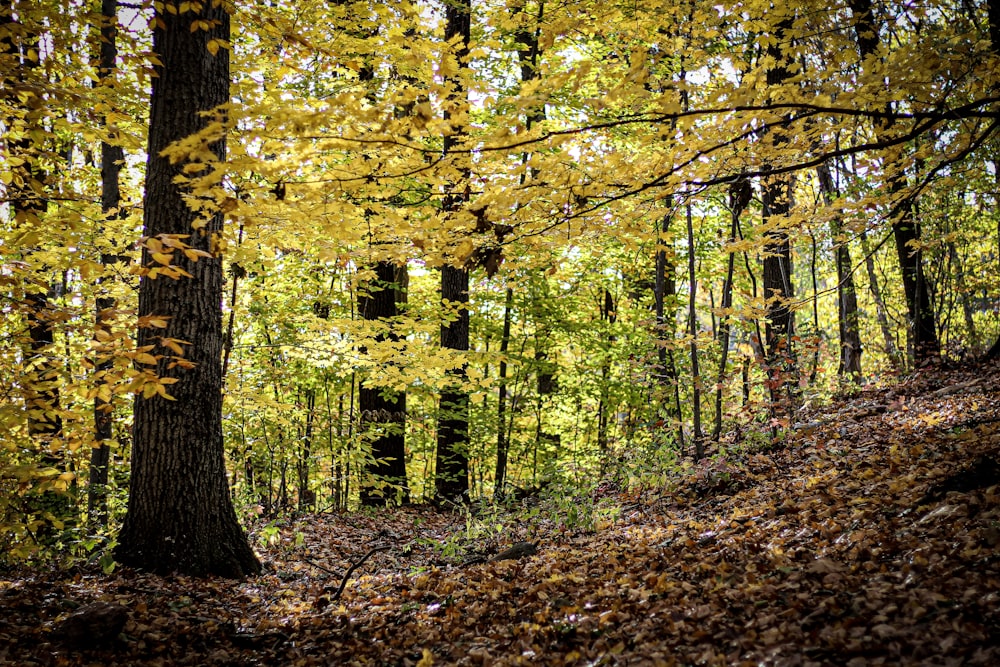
(350, 570)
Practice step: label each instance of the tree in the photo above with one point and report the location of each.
(180, 516)
(112, 157)
(776, 193)
(452, 462)
(905, 228)
(382, 409)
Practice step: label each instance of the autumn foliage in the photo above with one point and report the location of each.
(867, 537)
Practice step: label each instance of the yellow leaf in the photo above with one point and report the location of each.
(162, 258)
(427, 660)
(173, 345)
(162, 391)
(145, 358)
(464, 250)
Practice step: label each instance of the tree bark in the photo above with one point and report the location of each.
(180, 516)
(452, 471)
(922, 332)
(777, 271)
(664, 288)
(452, 465)
(383, 410)
(740, 194)
(503, 442)
(699, 445)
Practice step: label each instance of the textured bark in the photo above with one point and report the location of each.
(180, 516)
(609, 316)
(452, 476)
(777, 272)
(452, 464)
(664, 289)
(383, 411)
(906, 232)
(696, 435)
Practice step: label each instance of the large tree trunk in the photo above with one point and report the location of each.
(180, 516)
(382, 410)
(905, 230)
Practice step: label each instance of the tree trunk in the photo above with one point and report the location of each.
(739, 198)
(665, 287)
(608, 316)
(500, 476)
(452, 476)
(452, 472)
(27, 206)
(699, 445)
(847, 295)
(906, 232)
(383, 410)
(881, 312)
(180, 516)
(112, 158)
(777, 278)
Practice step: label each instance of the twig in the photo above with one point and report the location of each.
(350, 570)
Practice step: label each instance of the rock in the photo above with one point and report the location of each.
(93, 625)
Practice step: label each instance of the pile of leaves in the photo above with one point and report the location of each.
(869, 536)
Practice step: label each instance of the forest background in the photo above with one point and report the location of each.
(465, 249)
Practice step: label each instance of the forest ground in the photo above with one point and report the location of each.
(869, 536)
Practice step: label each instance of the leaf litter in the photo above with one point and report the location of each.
(869, 537)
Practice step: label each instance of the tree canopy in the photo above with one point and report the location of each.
(471, 248)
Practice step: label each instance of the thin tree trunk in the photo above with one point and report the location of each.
(847, 296)
(699, 444)
(740, 194)
(112, 158)
(881, 313)
(28, 206)
(666, 369)
(500, 476)
(963, 296)
(609, 317)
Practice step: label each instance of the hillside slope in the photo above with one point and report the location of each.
(870, 537)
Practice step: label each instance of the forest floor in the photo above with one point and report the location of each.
(870, 536)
